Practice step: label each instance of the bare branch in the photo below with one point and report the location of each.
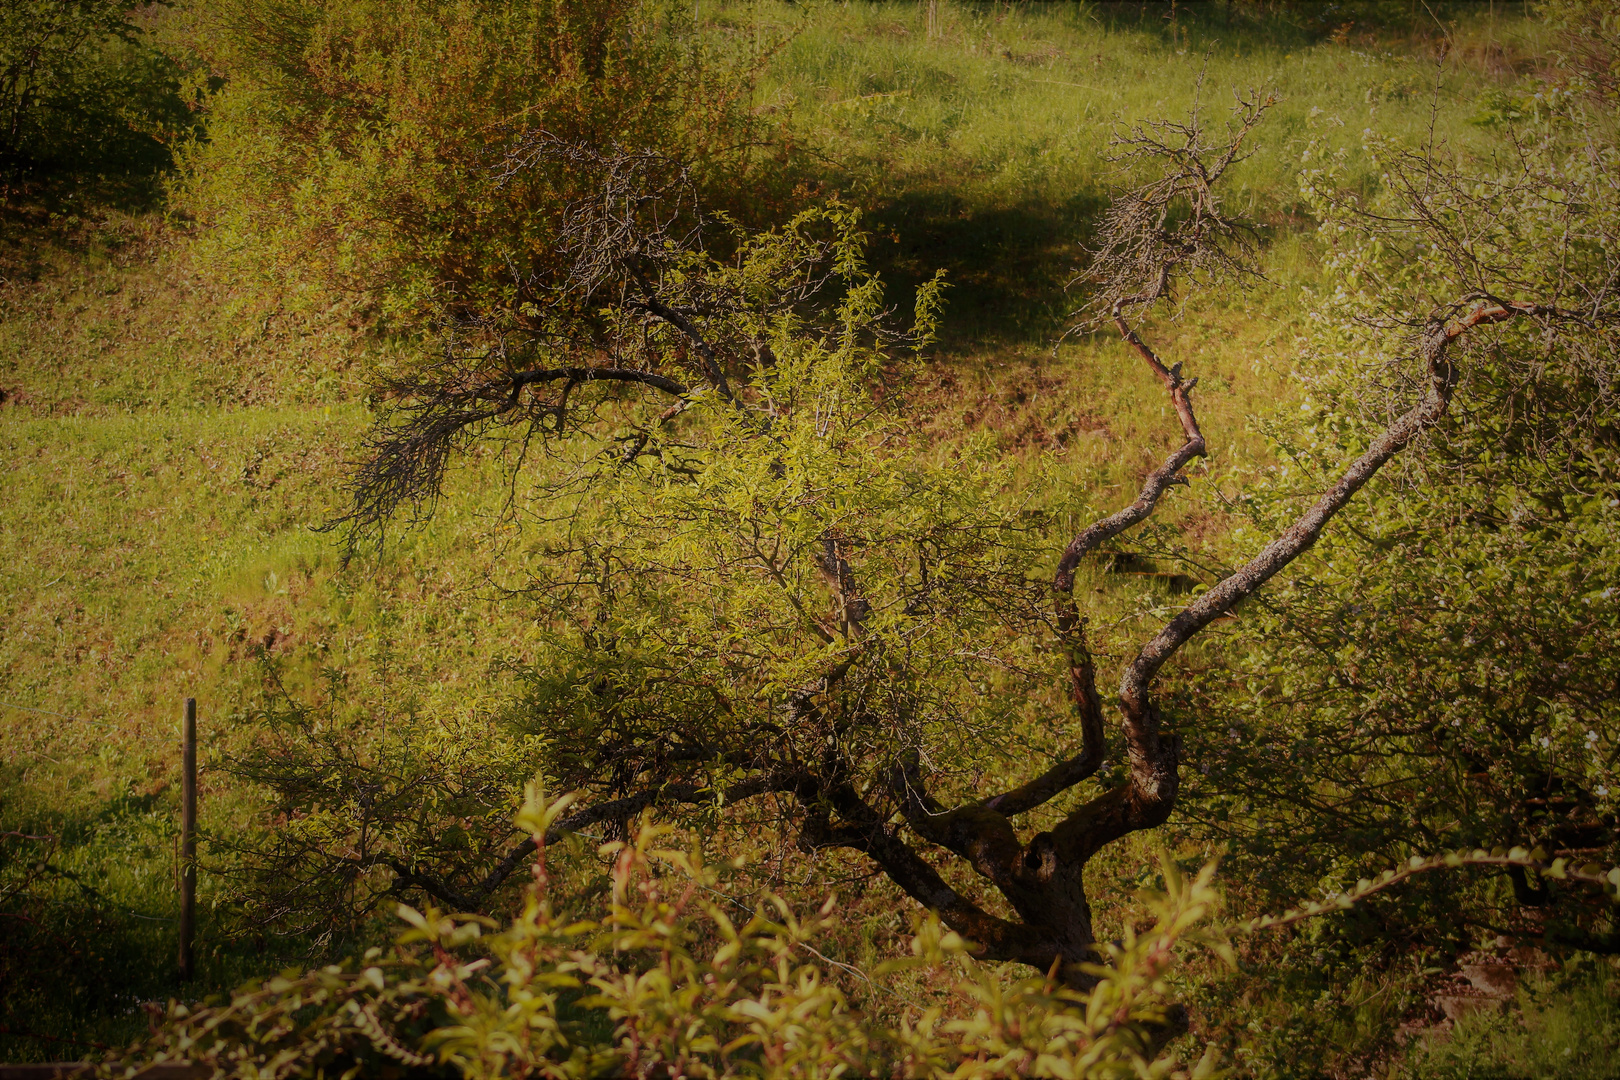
(406, 459)
(711, 359)
(1140, 256)
(628, 807)
(644, 207)
(589, 374)
(1173, 227)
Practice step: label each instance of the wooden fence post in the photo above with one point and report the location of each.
(188, 837)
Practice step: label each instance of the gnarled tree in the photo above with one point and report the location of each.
(757, 591)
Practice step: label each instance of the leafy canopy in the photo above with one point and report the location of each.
(365, 150)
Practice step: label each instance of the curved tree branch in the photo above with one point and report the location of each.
(1302, 534)
(1082, 669)
(1158, 482)
(711, 358)
(1146, 798)
(1093, 741)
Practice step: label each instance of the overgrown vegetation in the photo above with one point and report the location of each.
(678, 977)
(388, 214)
(88, 106)
(386, 156)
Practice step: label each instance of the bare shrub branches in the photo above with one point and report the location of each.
(444, 409)
(640, 205)
(1174, 226)
(639, 304)
(1490, 227)
(1530, 228)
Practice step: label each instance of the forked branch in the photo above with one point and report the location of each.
(1146, 798)
(1143, 248)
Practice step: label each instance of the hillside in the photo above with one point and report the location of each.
(173, 436)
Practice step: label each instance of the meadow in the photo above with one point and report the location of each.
(174, 438)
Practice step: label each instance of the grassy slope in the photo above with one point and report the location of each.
(984, 149)
(166, 451)
(169, 439)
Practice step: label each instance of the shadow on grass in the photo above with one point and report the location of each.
(1007, 266)
(89, 931)
(1240, 24)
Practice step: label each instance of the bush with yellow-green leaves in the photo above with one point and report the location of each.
(667, 984)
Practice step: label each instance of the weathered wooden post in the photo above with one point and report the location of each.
(188, 837)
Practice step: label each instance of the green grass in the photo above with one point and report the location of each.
(984, 149)
(169, 439)
(167, 448)
(1566, 1025)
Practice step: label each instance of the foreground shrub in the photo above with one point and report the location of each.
(667, 983)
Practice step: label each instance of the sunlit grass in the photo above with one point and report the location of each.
(984, 148)
(170, 441)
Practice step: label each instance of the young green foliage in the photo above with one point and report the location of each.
(675, 978)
